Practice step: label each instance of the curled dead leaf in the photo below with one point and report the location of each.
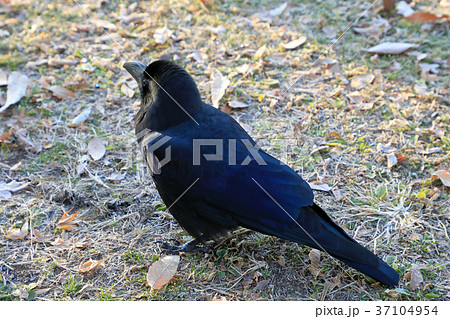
(80, 118)
(40, 238)
(18, 234)
(17, 87)
(218, 88)
(295, 43)
(425, 17)
(443, 175)
(90, 266)
(415, 277)
(68, 222)
(127, 91)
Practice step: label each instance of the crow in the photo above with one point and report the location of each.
(213, 177)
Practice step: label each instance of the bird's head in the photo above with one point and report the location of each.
(169, 95)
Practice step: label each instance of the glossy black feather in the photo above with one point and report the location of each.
(270, 198)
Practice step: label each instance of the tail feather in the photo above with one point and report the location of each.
(328, 236)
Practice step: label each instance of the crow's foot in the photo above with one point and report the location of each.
(191, 247)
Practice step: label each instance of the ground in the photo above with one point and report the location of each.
(333, 126)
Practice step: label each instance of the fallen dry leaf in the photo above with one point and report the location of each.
(161, 35)
(391, 160)
(320, 187)
(40, 238)
(295, 43)
(115, 177)
(404, 9)
(424, 17)
(68, 222)
(268, 15)
(237, 104)
(18, 234)
(443, 175)
(104, 24)
(162, 271)
(218, 88)
(17, 87)
(127, 91)
(386, 148)
(61, 93)
(81, 118)
(96, 148)
(22, 293)
(415, 277)
(3, 78)
(260, 53)
(90, 266)
(361, 81)
(314, 256)
(6, 190)
(391, 48)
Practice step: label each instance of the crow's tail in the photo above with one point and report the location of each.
(330, 237)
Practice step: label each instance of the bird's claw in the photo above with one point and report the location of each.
(190, 247)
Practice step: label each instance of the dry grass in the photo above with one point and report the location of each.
(399, 212)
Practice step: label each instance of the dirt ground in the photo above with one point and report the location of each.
(370, 130)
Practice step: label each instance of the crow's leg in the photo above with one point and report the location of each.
(192, 246)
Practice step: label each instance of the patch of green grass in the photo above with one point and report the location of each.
(57, 153)
(106, 294)
(73, 285)
(133, 256)
(6, 293)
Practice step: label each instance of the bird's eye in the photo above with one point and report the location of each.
(145, 83)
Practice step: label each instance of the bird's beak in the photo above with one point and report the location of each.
(136, 69)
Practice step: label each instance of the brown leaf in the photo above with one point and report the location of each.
(127, 91)
(295, 43)
(218, 88)
(443, 175)
(314, 256)
(90, 266)
(18, 234)
(415, 277)
(260, 53)
(61, 93)
(424, 17)
(96, 148)
(17, 87)
(361, 81)
(68, 222)
(162, 271)
(61, 243)
(39, 238)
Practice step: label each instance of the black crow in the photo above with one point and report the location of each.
(213, 177)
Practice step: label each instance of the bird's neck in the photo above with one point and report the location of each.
(173, 105)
